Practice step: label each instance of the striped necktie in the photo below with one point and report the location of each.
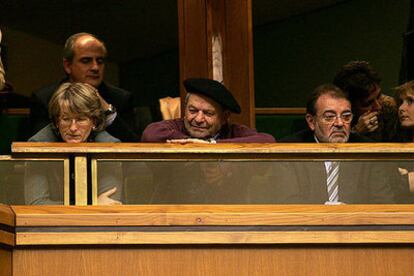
(332, 182)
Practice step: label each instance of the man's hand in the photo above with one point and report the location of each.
(104, 198)
(367, 122)
(188, 141)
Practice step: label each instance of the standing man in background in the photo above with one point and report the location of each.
(84, 61)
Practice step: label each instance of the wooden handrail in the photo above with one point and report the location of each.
(280, 111)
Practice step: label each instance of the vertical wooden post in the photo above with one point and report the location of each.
(81, 180)
(66, 181)
(215, 41)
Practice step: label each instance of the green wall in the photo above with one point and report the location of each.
(294, 56)
(152, 78)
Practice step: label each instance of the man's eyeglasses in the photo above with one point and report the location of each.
(81, 121)
(332, 117)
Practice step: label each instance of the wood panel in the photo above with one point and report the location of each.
(238, 62)
(81, 171)
(19, 148)
(230, 22)
(5, 262)
(183, 236)
(7, 238)
(6, 215)
(193, 53)
(16, 111)
(247, 151)
(201, 260)
(209, 215)
(280, 111)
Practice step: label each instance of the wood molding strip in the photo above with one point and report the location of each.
(227, 148)
(237, 237)
(7, 216)
(280, 110)
(7, 238)
(219, 215)
(16, 111)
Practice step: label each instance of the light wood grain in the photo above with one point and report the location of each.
(7, 238)
(81, 172)
(215, 237)
(280, 110)
(5, 262)
(66, 181)
(204, 215)
(6, 215)
(384, 148)
(201, 260)
(16, 111)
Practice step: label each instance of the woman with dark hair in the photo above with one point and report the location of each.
(77, 116)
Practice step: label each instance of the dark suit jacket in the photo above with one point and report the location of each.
(306, 136)
(119, 98)
(359, 182)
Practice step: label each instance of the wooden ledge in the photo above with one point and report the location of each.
(213, 215)
(236, 148)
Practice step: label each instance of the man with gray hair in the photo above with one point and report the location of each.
(84, 61)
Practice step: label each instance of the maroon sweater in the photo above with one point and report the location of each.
(175, 129)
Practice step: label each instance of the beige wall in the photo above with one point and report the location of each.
(33, 62)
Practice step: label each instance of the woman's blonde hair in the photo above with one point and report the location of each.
(81, 99)
(403, 90)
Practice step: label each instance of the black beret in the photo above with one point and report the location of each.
(214, 90)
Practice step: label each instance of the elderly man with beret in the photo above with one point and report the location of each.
(208, 105)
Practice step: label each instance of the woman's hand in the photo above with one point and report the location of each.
(367, 122)
(104, 198)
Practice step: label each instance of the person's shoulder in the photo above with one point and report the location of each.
(301, 136)
(46, 134)
(174, 123)
(116, 90)
(104, 136)
(163, 130)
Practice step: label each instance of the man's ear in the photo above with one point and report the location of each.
(67, 66)
(226, 116)
(311, 121)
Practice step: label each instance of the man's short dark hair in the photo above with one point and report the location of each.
(357, 79)
(70, 42)
(324, 89)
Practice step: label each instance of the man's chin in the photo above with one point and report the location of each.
(72, 140)
(339, 139)
(95, 82)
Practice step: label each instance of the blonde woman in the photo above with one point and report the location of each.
(77, 116)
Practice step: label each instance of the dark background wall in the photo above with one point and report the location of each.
(295, 55)
(151, 78)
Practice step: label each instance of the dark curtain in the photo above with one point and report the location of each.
(407, 60)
